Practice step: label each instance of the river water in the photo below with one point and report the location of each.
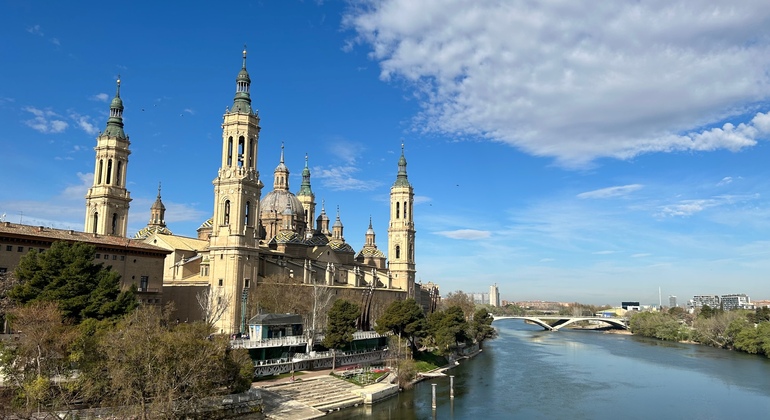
(527, 373)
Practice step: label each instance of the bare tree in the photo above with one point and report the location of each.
(213, 305)
(322, 297)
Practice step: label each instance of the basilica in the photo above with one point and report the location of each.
(251, 235)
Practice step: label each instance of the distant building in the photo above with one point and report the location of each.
(631, 306)
(699, 301)
(672, 301)
(738, 301)
(494, 295)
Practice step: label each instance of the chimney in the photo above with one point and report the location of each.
(39, 228)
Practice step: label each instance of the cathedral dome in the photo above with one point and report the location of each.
(275, 203)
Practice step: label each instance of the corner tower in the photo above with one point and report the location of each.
(234, 256)
(401, 231)
(107, 199)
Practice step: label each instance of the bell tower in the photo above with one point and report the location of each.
(401, 231)
(107, 199)
(234, 255)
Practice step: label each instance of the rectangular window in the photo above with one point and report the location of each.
(9, 247)
(114, 257)
(122, 257)
(98, 256)
(40, 250)
(31, 249)
(20, 249)
(221, 282)
(3, 270)
(144, 282)
(106, 257)
(246, 283)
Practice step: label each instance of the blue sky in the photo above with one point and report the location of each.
(564, 150)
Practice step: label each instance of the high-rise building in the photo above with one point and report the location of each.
(672, 301)
(494, 295)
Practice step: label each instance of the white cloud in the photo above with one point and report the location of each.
(689, 207)
(55, 41)
(84, 122)
(189, 111)
(726, 180)
(35, 30)
(640, 255)
(610, 191)
(577, 80)
(45, 121)
(101, 97)
(470, 234)
(341, 178)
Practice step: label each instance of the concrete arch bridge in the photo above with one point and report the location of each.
(557, 322)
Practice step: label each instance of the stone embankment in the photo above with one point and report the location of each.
(313, 397)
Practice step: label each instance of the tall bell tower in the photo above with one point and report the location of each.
(401, 231)
(234, 256)
(107, 199)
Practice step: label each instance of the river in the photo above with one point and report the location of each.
(527, 373)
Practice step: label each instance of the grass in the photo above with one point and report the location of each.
(427, 361)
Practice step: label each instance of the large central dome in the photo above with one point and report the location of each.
(276, 202)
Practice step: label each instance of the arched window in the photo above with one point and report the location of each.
(251, 154)
(398, 211)
(230, 151)
(241, 150)
(405, 216)
(247, 213)
(119, 174)
(114, 223)
(101, 167)
(109, 171)
(227, 212)
(398, 251)
(96, 221)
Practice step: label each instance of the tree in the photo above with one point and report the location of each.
(341, 326)
(150, 367)
(66, 274)
(212, 305)
(448, 328)
(36, 364)
(481, 326)
(461, 300)
(405, 319)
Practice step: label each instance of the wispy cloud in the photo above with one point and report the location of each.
(35, 30)
(469, 234)
(341, 178)
(55, 41)
(45, 121)
(640, 255)
(616, 79)
(85, 124)
(100, 97)
(725, 181)
(189, 111)
(611, 191)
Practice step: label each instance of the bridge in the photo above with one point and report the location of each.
(557, 322)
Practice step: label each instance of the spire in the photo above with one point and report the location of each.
(242, 102)
(281, 175)
(115, 122)
(322, 222)
(304, 189)
(158, 211)
(337, 227)
(401, 180)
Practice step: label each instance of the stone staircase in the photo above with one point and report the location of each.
(324, 393)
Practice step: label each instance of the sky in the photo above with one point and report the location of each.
(570, 150)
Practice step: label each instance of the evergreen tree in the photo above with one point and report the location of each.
(405, 319)
(448, 328)
(341, 325)
(66, 274)
(481, 326)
